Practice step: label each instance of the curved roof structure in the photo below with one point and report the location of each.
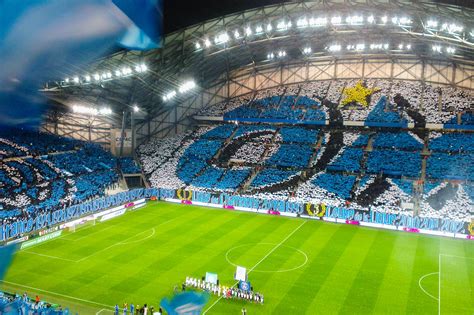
(269, 37)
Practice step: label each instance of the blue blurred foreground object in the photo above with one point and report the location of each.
(41, 41)
(189, 303)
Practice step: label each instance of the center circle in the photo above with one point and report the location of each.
(268, 249)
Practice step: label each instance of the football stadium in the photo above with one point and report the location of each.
(265, 157)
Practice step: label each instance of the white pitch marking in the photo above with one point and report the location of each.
(141, 240)
(421, 287)
(258, 263)
(55, 293)
(269, 271)
(439, 285)
(122, 242)
(48, 256)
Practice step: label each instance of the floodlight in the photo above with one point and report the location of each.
(319, 21)
(198, 46)
(335, 20)
(88, 78)
(269, 27)
(360, 46)
(384, 19)
(450, 50)
(385, 46)
(66, 80)
(118, 73)
(221, 38)
(408, 47)
(335, 48)
(356, 19)
(281, 53)
(302, 22)
(405, 21)
(76, 79)
(259, 29)
(436, 48)
(97, 77)
(248, 31)
(186, 86)
(136, 109)
(109, 75)
(105, 111)
(307, 50)
(236, 34)
(432, 24)
(270, 56)
(207, 43)
(371, 19)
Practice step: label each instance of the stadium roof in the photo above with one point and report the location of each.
(269, 37)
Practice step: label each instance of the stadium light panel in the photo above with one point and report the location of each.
(384, 19)
(408, 47)
(452, 28)
(144, 67)
(336, 20)
(66, 80)
(302, 22)
(269, 27)
(370, 19)
(281, 26)
(360, 47)
(281, 53)
(221, 38)
(436, 48)
(87, 78)
(76, 79)
(321, 21)
(118, 73)
(105, 111)
(433, 24)
(198, 46)
(355, 20)
(335, 48)
(404, 21)
(248, 31)
(386, 46)
(109, 75)
(186, 86)
(236, 34)
(136, 109)
(450, 50)
(169, 95)
(207, 43)
(96, 77)
(270, 56)
(307, 50)
(259, 29)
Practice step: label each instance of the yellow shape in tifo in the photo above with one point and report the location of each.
(357, 94)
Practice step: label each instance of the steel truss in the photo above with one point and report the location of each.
(227, 71)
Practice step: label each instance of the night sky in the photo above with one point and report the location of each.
(182, 13)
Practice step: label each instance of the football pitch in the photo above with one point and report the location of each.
(300, 266)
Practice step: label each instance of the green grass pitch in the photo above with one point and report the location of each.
(301, 266)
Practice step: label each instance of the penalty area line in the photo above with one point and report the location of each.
(259, 262)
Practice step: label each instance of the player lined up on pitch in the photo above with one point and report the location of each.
(226, 292)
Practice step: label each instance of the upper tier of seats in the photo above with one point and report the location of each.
(18, 143)
(393, 103)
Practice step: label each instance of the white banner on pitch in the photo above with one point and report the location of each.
(241, 274)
